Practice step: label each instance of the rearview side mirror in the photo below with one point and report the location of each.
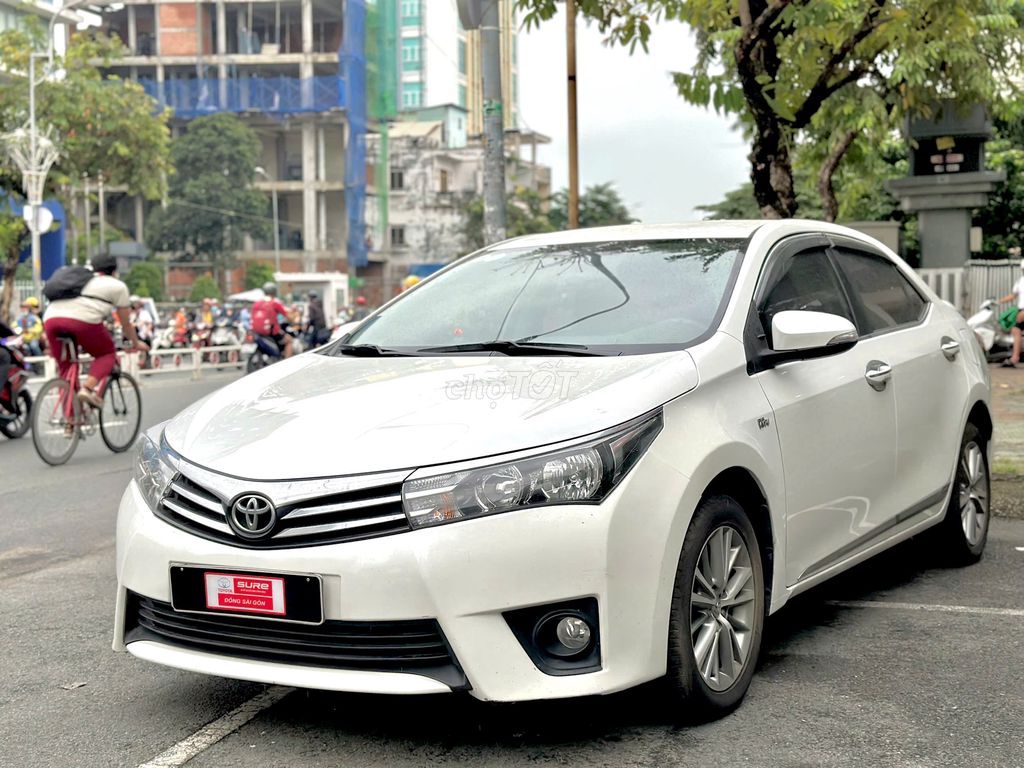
(797, 330)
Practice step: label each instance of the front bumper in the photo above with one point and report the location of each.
(465, 575)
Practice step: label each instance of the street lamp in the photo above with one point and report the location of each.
(277, 230)
(34, 154)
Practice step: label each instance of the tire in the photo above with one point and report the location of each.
(121, 415)
(698, 680)
(19, 425)
(963, 532)
(255, 362)
(54, 437)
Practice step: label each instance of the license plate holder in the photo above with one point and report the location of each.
(274, 596)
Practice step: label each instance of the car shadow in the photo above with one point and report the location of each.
(448, 721)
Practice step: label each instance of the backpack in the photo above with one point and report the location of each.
(67, 283)
(263, 317)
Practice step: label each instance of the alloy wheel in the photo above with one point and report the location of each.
(722, 604)
(974, 491)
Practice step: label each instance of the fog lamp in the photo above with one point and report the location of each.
(573, 632)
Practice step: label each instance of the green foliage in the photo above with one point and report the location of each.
(212, 204)
(205, 287)
(787, 69)
(600, 205)
(524, 210)
(1002, 220)
(146, 278)
(257, 273)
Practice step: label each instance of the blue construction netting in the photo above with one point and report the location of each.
(352, 58)
(273, 95)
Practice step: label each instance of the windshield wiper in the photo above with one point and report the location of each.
(368, 350)
(515, 348)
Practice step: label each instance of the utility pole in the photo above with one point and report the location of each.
(494, 123)
(570, 66)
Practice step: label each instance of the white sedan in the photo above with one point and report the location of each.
(564, 465)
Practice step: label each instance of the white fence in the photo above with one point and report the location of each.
(162, 361)
(966, 287)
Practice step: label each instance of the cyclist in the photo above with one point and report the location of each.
(82, 318)
(265, 319)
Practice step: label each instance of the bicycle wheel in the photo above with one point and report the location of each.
(55, 420)
(121, 415)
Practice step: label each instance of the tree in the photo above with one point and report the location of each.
(525, 216)
(777, 63)
(257, 274)
(204, 287)
(103, 124)
(600, 205)
(212, 204)
(146, 278)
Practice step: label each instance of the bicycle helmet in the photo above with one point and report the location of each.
(270, 289)
(104, 263)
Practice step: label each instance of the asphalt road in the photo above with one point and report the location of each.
(900, 662)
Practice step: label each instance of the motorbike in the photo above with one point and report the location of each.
(996, 343)
(267, 351)
(201, 333)
(15, 400)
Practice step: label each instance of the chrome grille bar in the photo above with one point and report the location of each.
(343, 506)
(198, 499)
(179, 509)
(366, 522)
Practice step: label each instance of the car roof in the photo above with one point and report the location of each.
(712, 229)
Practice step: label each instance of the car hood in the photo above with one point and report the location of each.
(317, 416)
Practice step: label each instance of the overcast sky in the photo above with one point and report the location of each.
(664, 156)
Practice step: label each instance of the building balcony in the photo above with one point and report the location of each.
(271, 95)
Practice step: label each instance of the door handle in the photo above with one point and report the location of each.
(878, 374)
(950, 348)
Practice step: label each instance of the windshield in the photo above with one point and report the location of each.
(615, 297)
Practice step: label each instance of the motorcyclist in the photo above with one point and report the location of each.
(31, 327)
(316, 325)
(265, 319)
(1018, 327)
(6, 360)
(83, 318)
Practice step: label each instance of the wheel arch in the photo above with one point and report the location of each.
(742, 485)
(980, 417)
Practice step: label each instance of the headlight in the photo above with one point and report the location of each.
(152, 472)
(583, 474)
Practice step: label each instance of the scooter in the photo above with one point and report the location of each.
(996, 343)
(15, 400)
(268, 352)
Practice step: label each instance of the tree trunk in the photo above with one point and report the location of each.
(10, 268)
(825, 189)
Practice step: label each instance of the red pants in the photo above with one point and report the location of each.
(93, 338)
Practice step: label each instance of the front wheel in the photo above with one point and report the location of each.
(55, 422)
(121, 415)
(963, 531)
(256, 361)
(717, 611)
(18, 426)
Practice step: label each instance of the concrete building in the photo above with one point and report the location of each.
(277, 65)
(440, 62)
(13, 14)
(434, 170)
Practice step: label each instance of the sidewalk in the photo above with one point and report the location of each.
(1008, 466)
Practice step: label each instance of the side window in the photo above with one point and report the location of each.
(804, 281)
(885, 297)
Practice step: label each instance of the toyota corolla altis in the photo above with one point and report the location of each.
(564, 465)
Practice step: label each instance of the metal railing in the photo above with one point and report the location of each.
(966, 287)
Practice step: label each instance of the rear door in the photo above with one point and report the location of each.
(837, 432)
(928, 379)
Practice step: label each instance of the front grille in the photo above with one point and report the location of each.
(329, 519)
(415, 646)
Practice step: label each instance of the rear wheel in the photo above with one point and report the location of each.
(963, 532)
(255, 362)
(55, 422)
(19, 425)
(121, 415)
(717, 611)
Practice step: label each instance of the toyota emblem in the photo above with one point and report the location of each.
(252, 516)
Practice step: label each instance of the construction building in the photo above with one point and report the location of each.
(294, 71)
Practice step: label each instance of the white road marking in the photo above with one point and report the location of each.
(213, 732)
(928, 607)
(1019, 549)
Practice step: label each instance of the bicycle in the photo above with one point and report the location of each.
(60, 420)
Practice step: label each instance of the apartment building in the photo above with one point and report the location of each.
(277, 64)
